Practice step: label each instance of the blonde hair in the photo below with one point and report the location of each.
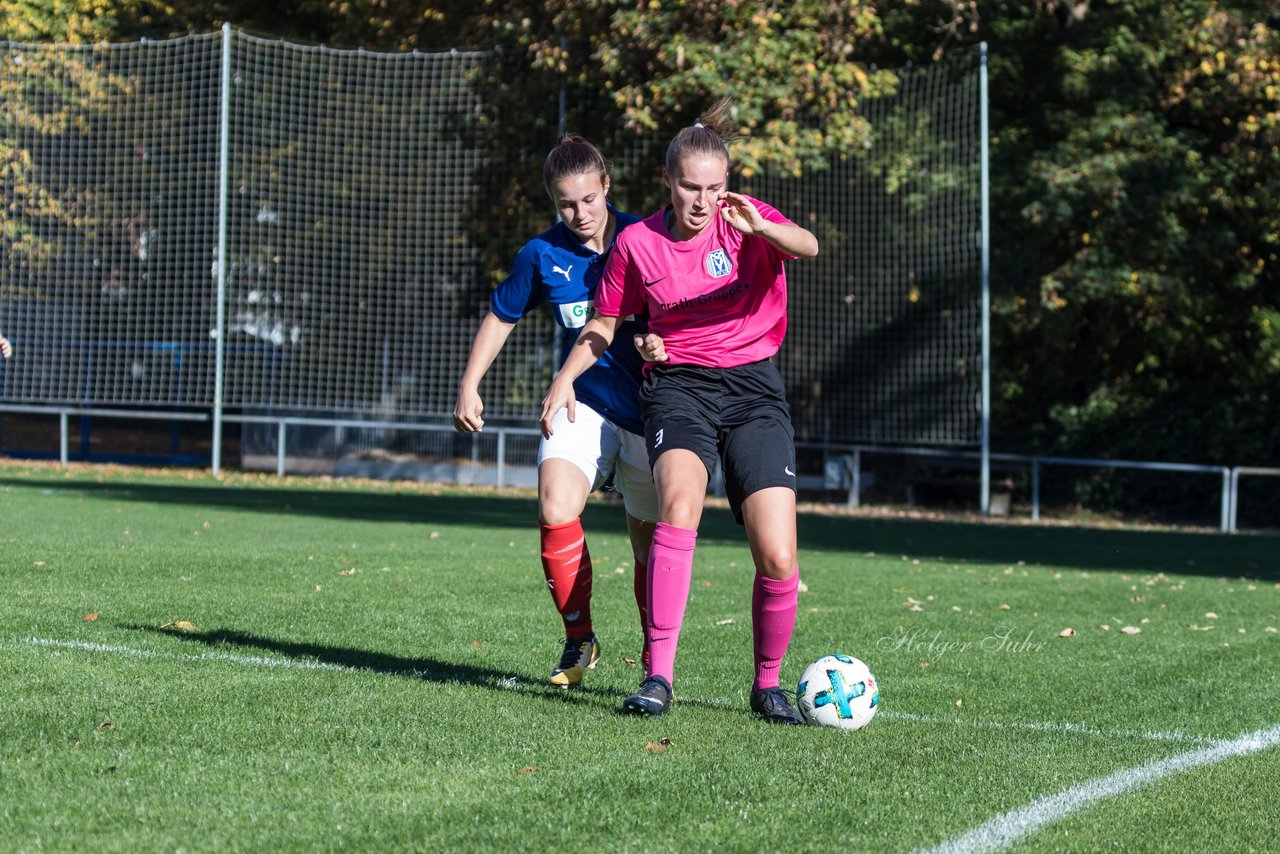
(710, 133)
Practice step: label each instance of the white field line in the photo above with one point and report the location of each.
(1006, 829)
(512, 683)
(132, 652)
(1075, 729)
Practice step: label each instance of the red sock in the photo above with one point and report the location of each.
(567, 565)
(773, 618)
(640, 586)
(670, 569)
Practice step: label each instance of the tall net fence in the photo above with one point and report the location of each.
(353, 280)
(360, 254)
(884, 343)
(109, 158)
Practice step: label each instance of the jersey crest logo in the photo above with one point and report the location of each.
(564, 272)
(718, 264)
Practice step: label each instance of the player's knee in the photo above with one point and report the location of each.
(556, 509)
(778, 563)
(682, 511)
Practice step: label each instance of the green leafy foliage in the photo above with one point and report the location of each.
(1134, 186)
(1135, 165)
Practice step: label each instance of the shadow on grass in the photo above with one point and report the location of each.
(1186, 553)
(424, 669)
(452, 509)
(1181, 552)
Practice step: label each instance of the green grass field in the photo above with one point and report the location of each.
(366, 672)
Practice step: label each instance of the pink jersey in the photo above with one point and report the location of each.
(718, 300)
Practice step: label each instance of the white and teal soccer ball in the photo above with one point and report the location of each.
(838, 691)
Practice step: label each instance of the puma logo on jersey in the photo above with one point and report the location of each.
(562, 271)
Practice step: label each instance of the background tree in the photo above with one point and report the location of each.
(1136, 197)
(1135, 174)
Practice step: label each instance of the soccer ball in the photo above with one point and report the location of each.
(839, 691)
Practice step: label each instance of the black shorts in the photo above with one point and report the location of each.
(735, 416)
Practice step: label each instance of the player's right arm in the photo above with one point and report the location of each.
(592, 341)
(489, 340)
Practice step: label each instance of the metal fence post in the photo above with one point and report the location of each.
(984, 499)
(1035, 489)
(282, 436)
(63, 455)
(224, 148)
(1226, 500)
(502, 458)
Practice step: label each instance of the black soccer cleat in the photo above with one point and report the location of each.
(653, 698)
(772, 705)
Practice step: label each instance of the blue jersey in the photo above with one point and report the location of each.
(555, 269)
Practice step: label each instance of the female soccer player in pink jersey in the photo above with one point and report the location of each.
(708, 268)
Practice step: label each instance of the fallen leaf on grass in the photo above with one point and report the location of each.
(959, 704)
(476, 644)
(105, 725)
(180, 626)
(1209, 615)
(706, 584)
(630, 662)
(528, 769)
(803, 588)
(1068, 632)
(1105, 627)
(659, 745)
(89, 618)
(1006, 607)
(924, 664)
(728, 622)
(1130, 630)
(351, 571)
(41, 563)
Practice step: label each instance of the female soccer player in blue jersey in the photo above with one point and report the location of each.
(560, 269)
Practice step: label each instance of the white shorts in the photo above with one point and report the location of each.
(600, 448)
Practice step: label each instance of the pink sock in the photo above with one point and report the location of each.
(773, 617)
(670, 568)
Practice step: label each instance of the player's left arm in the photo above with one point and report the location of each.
(741, 213)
